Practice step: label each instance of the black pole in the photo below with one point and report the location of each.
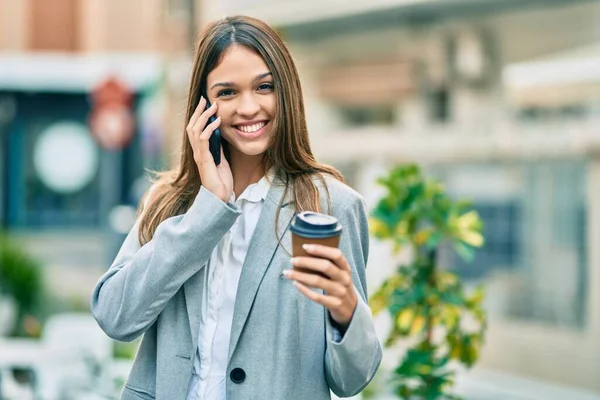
(3, 176)
(6, 179)
(8, 111)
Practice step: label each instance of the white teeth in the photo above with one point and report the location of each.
(251, 128)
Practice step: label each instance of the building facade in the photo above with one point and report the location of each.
(497, 99)
(64, 191)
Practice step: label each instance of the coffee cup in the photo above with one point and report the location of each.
(313, 228)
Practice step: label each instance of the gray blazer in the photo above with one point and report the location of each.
(282, 344)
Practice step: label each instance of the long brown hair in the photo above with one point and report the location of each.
(288, 152)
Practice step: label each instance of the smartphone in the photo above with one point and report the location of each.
(214, 143)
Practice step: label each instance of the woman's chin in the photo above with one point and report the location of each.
(249, 148)
(251, 151)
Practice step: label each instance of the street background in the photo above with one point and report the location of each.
(499, 99)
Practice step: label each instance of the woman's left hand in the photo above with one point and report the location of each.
(339, 297)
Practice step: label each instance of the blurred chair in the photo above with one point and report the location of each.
(78, 333)
(12, 388)
(85, 351)
(73, 355)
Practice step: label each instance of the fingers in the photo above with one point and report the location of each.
(329, 302)
(330, 287)
(200, 124)
(340, 296)
(199, 110)
(333, 254)
(323, 266)
(199, 118)
(210, 128)
(199, 133)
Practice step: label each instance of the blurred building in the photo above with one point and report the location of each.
(500, 100)
(63, 189)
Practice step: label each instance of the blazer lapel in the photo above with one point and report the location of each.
(262, 248)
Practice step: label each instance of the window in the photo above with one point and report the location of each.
(534, 261)
(54, 25)
(573, 112)
(439, 105)
(503, 244)
(178, 9)
(45, 192)
(359, 116)
(51, 193)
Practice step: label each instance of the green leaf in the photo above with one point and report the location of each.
(476, 297)
(20, 278)
(466, 252)
(434, 240)
(480, 315)
(416, 213)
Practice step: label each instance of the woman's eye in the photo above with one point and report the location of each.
(226, 92)
(265, 86)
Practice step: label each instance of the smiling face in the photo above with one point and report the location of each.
(242, 86)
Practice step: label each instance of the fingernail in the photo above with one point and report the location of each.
(214, 104)
(287, 273)
(294, 261)
(308, 247)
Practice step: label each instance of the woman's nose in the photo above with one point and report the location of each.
(248, 106)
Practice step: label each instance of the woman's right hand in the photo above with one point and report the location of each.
(217, 179)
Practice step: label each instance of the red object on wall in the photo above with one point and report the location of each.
(111, 120)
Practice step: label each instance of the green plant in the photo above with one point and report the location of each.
(21, 279)
(428, 304)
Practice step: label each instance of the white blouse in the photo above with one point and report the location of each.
(220, 288)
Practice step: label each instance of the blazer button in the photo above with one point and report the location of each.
(237, 375)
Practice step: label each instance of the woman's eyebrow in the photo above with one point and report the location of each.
(263, 75)
(231, 84)
(223, 84)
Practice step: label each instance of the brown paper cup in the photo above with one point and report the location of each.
(298, 250)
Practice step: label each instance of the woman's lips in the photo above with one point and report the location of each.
(251, 135)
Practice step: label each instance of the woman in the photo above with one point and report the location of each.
(205, 274)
